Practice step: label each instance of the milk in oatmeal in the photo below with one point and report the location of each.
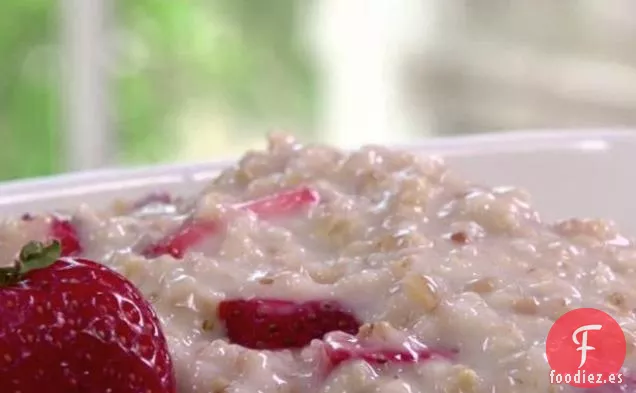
(421, 257)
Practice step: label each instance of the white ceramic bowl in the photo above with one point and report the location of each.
(569, 173)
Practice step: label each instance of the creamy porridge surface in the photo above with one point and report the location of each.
(419, 256)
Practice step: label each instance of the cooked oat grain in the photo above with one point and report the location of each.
(418, 254)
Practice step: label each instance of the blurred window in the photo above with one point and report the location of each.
(87, 84)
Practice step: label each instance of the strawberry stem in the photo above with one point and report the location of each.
(33, 256)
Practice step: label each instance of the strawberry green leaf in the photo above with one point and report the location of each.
(33, 256)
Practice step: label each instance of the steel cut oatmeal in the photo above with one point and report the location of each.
(306, 269)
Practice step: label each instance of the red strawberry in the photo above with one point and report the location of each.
(177, 243)
(343, 347)
(74, 326)
(64, 231)
(279, 324)
(193, 231)
(283, 203)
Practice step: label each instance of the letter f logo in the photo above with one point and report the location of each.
(583, 343)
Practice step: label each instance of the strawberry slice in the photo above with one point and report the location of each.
(59, 229)
(64, 231)
(341, 348)
(177, 243)
(282, 203)
(194, 231)
(281, 324)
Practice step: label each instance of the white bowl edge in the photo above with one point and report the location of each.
(512, 158)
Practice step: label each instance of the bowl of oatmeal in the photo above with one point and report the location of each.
(310, 269)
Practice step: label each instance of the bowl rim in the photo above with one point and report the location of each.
(488, 142)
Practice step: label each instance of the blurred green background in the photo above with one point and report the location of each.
(192, 80)
(236, 57)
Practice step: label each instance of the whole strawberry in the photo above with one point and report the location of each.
(74, 326)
